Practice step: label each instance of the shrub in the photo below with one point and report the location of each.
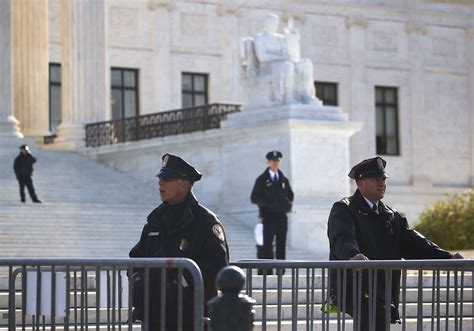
(450, 223)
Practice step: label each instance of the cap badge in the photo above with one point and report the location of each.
(165, 160)
(274, 153)
(218, 232)
(380, 163)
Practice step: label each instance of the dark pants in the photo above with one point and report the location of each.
(275, 225)
(28, 182)
(364, 316)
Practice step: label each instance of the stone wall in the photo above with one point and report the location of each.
(423, 48)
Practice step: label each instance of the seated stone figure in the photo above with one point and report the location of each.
(273, 60)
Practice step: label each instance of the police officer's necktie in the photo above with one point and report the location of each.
(275, 178)
(375, 209)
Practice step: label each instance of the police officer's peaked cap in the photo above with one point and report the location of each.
(25, 147)
(370, 168)
(274, 155)
(173, 166)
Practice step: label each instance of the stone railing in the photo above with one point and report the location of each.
(161, 124)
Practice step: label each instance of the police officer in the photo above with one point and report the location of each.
(179, 227)
(23, 167)
(273, 195)
(362, 227)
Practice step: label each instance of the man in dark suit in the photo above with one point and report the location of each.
(273, 195)
(362, 227)
(23, 167)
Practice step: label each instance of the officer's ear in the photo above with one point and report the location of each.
(186, 185)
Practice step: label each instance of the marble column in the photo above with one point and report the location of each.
(84, 69)
(470, 39)
(228, 22)
(162, 53)
(359, 104)
(9, 130)
(30, 66)
(421, 157)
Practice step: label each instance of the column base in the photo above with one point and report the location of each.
(70, 137)
(10, 132)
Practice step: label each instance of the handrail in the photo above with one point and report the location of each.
(161, 124)
(351, 264)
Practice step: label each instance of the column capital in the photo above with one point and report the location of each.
(297, 16)
(357, 20)
(155, 4)
(415, 27)
(228, 10)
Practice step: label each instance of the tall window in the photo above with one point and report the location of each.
(386, 117)
(194, 89)
(326, 92)
(54, 96)
(124, 93)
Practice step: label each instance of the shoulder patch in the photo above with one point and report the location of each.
(218, 232)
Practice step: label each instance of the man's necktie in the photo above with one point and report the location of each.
(375, 209)
(275, 178)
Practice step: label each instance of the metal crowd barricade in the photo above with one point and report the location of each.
(83, 294)
(434, 294)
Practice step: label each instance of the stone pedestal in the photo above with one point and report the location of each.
(315, 146)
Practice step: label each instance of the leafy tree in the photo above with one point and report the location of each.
(450, 223)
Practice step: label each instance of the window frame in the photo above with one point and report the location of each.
(383, 106)
(323, 86)
(50, 85)
(192, 91)
(124, 88)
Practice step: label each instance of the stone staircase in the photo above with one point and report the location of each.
(88, 210)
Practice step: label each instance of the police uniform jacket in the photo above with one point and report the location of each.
(189, 231)
(23, 165)
(271, 197)
(354, 228)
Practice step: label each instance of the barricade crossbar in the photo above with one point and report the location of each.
(95, 293)
(296, 295)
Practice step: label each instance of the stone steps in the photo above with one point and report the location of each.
(88, 210)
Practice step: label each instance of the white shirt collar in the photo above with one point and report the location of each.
(371, 205)
(272, 174)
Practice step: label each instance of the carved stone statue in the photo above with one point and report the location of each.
(272, 62)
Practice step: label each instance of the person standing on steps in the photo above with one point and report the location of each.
(23, 167)
(273, 195)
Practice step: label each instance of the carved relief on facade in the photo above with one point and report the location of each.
(194, 25)
(325, 36)
(445, 47)
(123, 18)
(385, 41)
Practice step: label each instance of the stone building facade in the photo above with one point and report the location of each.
(404, 69)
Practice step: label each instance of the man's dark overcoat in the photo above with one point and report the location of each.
(188, 230)
(272, 197)
(354, 228)
(23, 165)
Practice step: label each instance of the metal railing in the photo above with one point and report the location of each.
(90, 293)
(161, 124)
(47, 140)
(434, 294)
